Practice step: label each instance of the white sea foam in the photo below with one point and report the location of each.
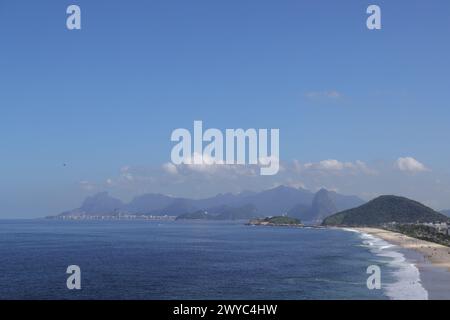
(408, 284)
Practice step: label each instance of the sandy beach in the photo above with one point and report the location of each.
(437, 254)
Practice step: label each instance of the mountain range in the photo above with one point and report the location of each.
(296, 202)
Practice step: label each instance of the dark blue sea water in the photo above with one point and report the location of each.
(185, 260)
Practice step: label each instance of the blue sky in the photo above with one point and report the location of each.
(105, 99)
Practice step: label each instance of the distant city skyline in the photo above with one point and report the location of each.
(364, 112)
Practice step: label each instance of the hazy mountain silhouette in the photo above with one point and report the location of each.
(148, 202)
(99, 204)
(324, 204)
(298, 202)
(446, 212)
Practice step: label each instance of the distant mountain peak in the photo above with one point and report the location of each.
(272, 202)
(98, 204)
(324, 204)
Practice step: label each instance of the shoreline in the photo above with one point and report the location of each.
(437, 254)
(432, 260)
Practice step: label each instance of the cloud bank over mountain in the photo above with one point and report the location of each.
(405, 176)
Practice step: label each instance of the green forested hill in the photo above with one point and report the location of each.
(383, 210)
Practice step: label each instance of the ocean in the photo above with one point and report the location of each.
(197, 260)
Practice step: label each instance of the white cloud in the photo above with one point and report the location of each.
(206, 165)
(295, 184)
(411, 165)
(330, 164)
(170, 168)
(336, 166)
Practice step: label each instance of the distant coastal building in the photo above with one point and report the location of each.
(443, 227)
(115, 217)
